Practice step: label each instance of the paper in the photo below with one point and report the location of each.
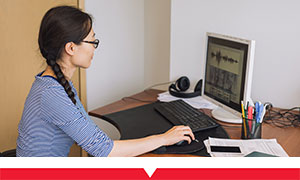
(268, 146)
(197, 102)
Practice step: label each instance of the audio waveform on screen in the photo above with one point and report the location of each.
(218, 55)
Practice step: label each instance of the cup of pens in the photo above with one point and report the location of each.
(251, 129)
(252, 117)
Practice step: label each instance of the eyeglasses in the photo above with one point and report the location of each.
(95, 43)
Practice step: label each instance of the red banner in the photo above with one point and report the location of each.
(139, 173)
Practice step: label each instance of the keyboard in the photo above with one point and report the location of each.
(180, 113)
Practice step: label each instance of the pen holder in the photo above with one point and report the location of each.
(251, 129)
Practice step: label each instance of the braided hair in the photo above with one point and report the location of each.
(60, 25)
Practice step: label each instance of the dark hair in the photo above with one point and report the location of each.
(59, 26)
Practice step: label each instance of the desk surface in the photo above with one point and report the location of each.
(288, 138)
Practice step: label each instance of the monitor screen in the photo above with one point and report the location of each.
(228, 75)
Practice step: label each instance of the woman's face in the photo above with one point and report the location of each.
(84, 52)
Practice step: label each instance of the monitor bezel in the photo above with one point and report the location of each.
(247, 76)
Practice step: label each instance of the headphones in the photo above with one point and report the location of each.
(182, 84)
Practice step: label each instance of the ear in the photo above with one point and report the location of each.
(70, 48)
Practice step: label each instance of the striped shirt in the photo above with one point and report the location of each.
(51, 123)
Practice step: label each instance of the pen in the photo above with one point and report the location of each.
(261, 113)
(253, 127)
(243, 113)
(246, 111)
(253, 121)
(247, 121)
(250, 117)
(247, 105)
(257, 112)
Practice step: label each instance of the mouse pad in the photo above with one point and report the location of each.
(180, 149)
(143, 121)
(195, 148)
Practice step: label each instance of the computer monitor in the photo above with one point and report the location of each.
(228, 75)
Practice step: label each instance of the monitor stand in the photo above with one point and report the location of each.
(225, 116)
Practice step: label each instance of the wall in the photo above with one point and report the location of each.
(157, 42)
(137, 49)
(134, 51)
(117, 69)
(274, 25)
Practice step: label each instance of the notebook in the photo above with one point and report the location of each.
(259, 154)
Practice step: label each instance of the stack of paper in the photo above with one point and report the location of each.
(197, 102)
(268, 146)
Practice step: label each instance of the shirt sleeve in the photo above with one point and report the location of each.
(58, 109)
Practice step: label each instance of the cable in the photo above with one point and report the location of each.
(283, 118)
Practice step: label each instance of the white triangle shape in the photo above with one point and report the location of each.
(150, 171)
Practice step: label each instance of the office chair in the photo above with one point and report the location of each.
(9, 153)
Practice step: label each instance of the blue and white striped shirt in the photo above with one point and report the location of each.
(51, 123)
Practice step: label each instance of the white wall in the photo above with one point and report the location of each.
(137, 51)
(117, 69)
(134, 51)
(273, 24)
(157, 42)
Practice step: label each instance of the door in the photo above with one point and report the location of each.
(21, 61)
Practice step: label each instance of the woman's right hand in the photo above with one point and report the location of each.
(176, 134)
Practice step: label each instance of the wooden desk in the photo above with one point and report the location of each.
(288, 138)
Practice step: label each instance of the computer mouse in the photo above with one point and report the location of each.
(183, 142)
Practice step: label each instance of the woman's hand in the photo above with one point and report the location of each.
(176, 134)
(135, 147)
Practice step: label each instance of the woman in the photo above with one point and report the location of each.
(53, 117)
